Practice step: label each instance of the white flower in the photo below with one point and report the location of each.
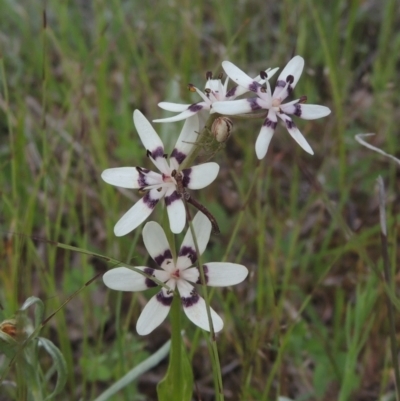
(176, 274)
(164, 185)
(285, 84)
(214, 92)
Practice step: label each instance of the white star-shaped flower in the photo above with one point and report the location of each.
(164, 185)
(215, 91)
(176, 274)
(285, 84)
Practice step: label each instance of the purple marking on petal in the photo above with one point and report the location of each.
(150, 283)
(186, 176)
(253, 104)
(270, 123)
(205, 269)
(254, 86)
(179, 156)
(150, 203)
(190, 301)
(297, 111)
(172, 198)
(195, 107)
(231, 92)
(280, 83)
(290, 124)
(166, 301)
(161, 258)
(158, 152)
(189, 252)
(142, 176)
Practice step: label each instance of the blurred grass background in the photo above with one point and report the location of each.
(310, 323)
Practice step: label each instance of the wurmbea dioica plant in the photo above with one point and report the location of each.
(178, 273)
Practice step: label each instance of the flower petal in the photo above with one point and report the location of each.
(265, 135)
(306, 111)
(157, 245)
(193, 109)
(173, 106)
(200, 176)
(149, 137)
(295, 133)
(187, 254)
(125, 177)
(222, 274)
(176, 210)
(294, 68)
(233, 107)
(194, 307)
(186, 141)
(155, 312)
(138, 213)
(239, 77)
(124, 279)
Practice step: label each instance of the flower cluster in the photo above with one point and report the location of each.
(175, 178)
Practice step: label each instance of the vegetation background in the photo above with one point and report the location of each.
(310, 323)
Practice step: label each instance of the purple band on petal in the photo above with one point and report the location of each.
(186, 176)
(150, 203)
(164, 256)
(189, 252)
(149, 283)
(270, 123)
(253, 104)
(158, 152)
(190, 301)
(172, 198)
(297, 111)
(142, 176)
(231, 92)
(290, 124)
(281, 83)
(195, 107)
(205, 269)
(254, 86)
(179, 156)
(166, 301)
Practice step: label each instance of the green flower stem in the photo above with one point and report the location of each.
(176, 346)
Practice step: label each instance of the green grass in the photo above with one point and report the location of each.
(310, 322)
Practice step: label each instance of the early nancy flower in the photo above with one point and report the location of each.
(176, 274)
(286, 82)
(164, 185)
(214, 92)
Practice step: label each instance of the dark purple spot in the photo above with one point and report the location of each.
(150, 203)
(195, 107)
(172, 198)
(290, 79)
(297, 111)
(160, 259)
(149, 282)
(158, 152)
(254, 86)
(290, 124)
(179, 156)
(253, 104)
(231, 92)
(270, 123)
(189, 252)
(263, 75)
(166, 301)
(205, 268)
(186, 176)
(187, 302)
